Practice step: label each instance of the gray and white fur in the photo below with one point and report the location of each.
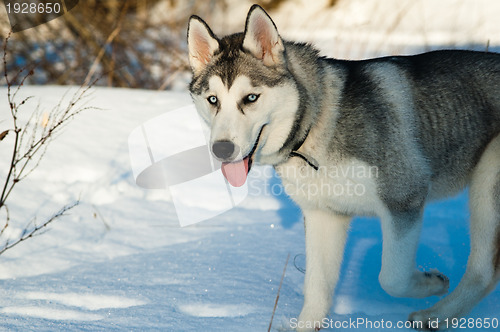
(429, 124)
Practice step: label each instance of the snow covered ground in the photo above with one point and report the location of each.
(120, 261)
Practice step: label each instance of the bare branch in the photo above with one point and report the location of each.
(7, 219)
(13, 112)
(31, 140)
(27, 234)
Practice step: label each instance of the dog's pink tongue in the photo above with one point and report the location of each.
(236, 173)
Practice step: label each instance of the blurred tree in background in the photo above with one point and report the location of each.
(127, 43)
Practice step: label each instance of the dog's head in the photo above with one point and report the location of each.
(244, 91)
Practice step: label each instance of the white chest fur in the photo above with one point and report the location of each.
(346, 187)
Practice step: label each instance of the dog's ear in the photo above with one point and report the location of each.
(202, 44)
(262, 38)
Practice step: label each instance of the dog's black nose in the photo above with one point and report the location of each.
(223, 149)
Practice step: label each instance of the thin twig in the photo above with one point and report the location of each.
(13, 112)
(29, 234)
(278, 294)
(30, 145)
(7, 219)
(109, 40)
(98, 213)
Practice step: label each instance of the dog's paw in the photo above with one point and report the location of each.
(434, 283)
(421, 284)
(426, 320)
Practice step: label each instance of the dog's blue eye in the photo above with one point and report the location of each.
(212, 100)
(251, 98)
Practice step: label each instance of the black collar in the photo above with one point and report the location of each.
(313, 163)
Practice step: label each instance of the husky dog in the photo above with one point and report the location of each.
(429, 124)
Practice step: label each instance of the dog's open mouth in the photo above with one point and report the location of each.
(236, 172)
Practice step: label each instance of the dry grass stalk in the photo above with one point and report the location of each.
(278, 294)
(29, 144)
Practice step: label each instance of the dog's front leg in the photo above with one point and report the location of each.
(326, 235)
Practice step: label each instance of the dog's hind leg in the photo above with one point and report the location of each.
(483, 266)
(399, 276)
(326, 234)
